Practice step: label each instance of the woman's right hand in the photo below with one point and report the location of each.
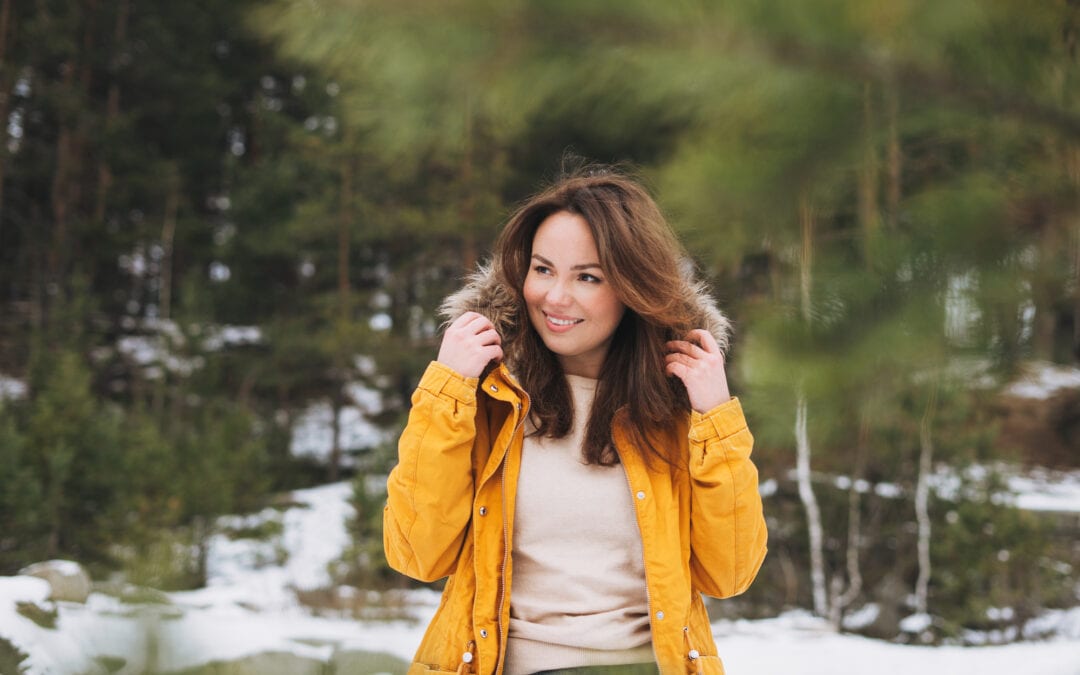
(469, 344)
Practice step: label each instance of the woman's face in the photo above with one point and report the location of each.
(571, 304)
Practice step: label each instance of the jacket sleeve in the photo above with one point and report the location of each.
(430, 491)
(727, 524)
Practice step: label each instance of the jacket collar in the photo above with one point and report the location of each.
(484, 292)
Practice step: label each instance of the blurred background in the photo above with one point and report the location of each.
(225, 226)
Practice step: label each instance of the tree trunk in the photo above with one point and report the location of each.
(168, 237)
(813, 514)
(806, 257)
(1045, 290)
(842, 598)
(922, 499)
(1071, 35)
(334, 470)
(112, 109)
(868, 180)
(5, 103)
(802, 437)
(791, 578)
(895, 158)
(345, 219)
(1076, 287)
(468, 204)
(60, 193)
(200, 532)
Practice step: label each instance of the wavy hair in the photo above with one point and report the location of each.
(642, 259)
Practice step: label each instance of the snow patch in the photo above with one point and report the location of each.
(1041, 380)
(796, 643)
(862, 617)
(916, 623)
(11, 389)
(265, 574)
(1045, 490)
(313, 431)
(251, 608)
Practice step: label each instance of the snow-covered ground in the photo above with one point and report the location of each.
(1041, 380)
(250, 607)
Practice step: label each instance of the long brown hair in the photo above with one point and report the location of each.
(641, 258)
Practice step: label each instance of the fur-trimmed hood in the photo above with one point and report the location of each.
(485, 293)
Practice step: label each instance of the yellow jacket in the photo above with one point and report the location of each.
(450, 512)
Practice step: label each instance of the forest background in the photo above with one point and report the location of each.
(215, 215)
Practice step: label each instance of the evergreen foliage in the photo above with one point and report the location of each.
(886, 196)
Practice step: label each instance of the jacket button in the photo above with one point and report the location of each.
(494, 388)
(641, 494)
(659, 615)
(483, 632)
(483, 510)
(693, 655)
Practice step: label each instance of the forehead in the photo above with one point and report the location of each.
(564, 236)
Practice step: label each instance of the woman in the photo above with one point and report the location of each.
(573, 460)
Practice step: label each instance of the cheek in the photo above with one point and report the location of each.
(529, 291)
(532, 292)
(614, 308)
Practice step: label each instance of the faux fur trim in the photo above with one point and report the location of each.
(485, 294)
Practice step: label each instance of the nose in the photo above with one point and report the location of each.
(558, 295)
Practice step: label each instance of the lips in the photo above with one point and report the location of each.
(560, 323)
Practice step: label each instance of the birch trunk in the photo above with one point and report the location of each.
(922, 499)
(813, 513)
(802, 437)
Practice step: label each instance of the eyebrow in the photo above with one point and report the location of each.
(584, 266)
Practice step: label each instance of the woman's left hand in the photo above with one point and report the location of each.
(701, 369)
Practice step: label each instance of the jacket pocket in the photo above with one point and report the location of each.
(711, 665)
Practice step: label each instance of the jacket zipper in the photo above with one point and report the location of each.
(644, 562)
(506, 528)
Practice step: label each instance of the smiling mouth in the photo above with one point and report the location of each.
(562, 322)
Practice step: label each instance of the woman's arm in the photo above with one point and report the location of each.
(430, 491)
(727, 525)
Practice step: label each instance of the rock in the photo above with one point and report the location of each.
(68, 580)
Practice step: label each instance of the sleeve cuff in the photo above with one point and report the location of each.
(722, 421)
(441, 380)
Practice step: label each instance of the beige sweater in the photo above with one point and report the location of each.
(578, 597)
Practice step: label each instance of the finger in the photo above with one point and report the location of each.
(706, 340)
(676, 369)
(685, 347)
(684, 360)
(459, 323)
(489, 337)
(476, 322)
